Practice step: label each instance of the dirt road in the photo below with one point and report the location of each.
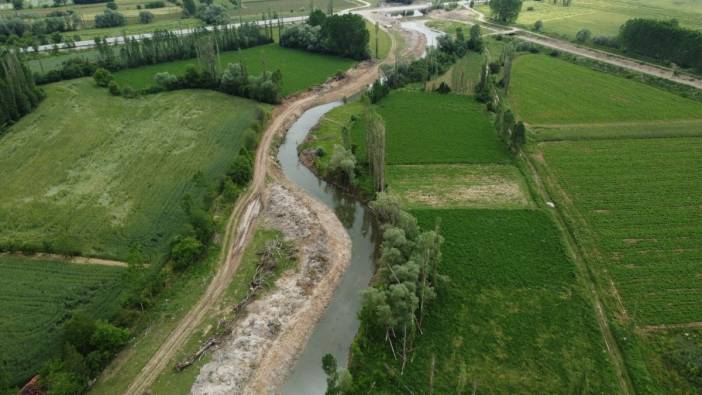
(471, 15)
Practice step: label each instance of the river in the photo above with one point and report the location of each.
(338, 326)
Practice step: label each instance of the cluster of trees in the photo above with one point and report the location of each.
(406, 281)
(18, 94)
(664, 41)
(88, 346)
(505, 11)
(437, 62)
(344, 35)
(110, 18)
(25, 31)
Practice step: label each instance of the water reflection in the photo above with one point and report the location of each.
(339, 324)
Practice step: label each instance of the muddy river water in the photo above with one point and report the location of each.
(339, 324)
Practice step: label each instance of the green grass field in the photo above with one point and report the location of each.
(300, 69)
(38, 297)
(548, 91)
(604, 17)
(423, 128)
(512, 319)
(641, 200)
(99, 174)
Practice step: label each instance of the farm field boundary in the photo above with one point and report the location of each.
(79, 260)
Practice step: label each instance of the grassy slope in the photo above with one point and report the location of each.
(642, 201)
(604, 17)
(37, 298)
(300, 69)
(110, 173)
(511, 320)
(546, 90)
(426, 128)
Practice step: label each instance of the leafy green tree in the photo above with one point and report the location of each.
(145, 17)
(189, 7)
(108, 338)
(110, 18)
(343, 164)
(346, 35)
(241, 170)
(102, 77)
(330, 369)
(475, 42)
(17, 4)
(213, 14)
(583, 35)
(317, 18)
(519, 135)
(538, 25)
(505, 11)
(114, 88)
(78, 331)
(375, 147)
(111, 5)
(185, 251)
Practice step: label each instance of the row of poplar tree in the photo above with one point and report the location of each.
(18, 94)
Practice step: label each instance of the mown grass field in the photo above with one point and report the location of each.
(300, 69)
(424, 128)
(550, 91)
(641, 200)
(38, 297)
(604, 17)
(458, 186)
(512, 319)
(98, 174)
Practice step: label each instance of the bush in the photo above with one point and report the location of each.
(154, 4)
(109, 18)
(605, 41)
(185, 251)
(494, 67)
(686, 356)
(129, 92)
(111, 5)
(114, 88)
(145, 17)
(102, 77)
(538, 25)
(166, 80)
(583, 35)
(213, 15)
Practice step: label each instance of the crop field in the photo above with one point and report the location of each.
(458, 186)
(604, 17)
(108, 174)
(300, 69)
(550, 91)
(37, 297)
(512, 319)
(424, 128)
(641, 200)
